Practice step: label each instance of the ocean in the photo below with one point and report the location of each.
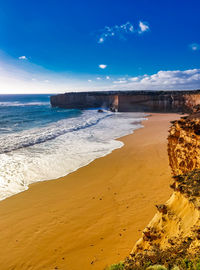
(40, 143)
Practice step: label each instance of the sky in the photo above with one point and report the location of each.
(60, 46)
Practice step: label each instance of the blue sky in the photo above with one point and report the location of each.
(57, 46)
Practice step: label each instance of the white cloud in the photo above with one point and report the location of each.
(23, 57)
(101, 40)
(121, 31)
(143, 27)
(98, 78)
(102, 66)
(119, 82)
(195, 46)
(134, 79)
(163, 80)
(18, 77)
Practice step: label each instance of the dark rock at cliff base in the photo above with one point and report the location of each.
(100, 111)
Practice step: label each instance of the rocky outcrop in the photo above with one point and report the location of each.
(184, 145)
(173, 235)
(130, 101)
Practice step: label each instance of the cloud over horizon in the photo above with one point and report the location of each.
(26, 77)
(162, 80)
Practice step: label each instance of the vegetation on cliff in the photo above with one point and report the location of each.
(172, 239)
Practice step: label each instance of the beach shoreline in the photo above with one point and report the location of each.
(92, 217)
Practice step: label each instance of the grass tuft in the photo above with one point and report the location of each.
(156, 267)
(118, 266)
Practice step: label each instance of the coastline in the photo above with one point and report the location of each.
(93, 216)
(59, 148)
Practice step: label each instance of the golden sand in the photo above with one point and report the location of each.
(92, 217)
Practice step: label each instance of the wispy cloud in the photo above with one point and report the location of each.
(143, 27)
(102, 66)
(121, 31)
(26, 77)
(134, 79)
(120, 82)
(162, 80)
(23, 57)
(194, 46)
(20, 76)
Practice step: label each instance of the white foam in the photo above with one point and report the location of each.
(19, 104)
(80, 141)
(14, 141)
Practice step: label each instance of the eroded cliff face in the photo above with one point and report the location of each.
(85, 100)
(130, 101)
(164, 101)
(184, 145)
(174, 232)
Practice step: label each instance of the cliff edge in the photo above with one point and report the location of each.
(172, 238)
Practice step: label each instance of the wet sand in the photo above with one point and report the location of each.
(92, 217)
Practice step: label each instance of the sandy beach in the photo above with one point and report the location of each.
(92, 217)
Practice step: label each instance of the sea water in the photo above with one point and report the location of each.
(39, 143)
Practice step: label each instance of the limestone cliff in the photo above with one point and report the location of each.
(130, 101)
(174, 233)
(184, 145)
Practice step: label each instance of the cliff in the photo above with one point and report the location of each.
(184, 145)
(130, 101)
(172, 238)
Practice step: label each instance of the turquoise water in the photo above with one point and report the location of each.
(39, 143)
(20, 112)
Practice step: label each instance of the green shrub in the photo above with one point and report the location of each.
(198, 266)
(118, 266)
(156, 267)
(188, 264)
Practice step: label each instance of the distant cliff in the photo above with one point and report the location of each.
(130, 101)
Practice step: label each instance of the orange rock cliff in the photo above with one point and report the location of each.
(172, 238)
(130, 101)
